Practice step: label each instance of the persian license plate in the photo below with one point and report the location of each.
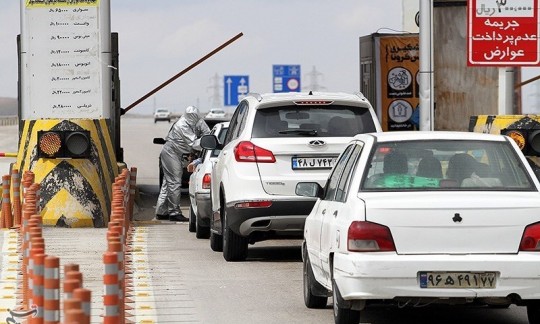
(321, 162)
(458, 279)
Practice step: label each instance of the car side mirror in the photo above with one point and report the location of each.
(309, 189)
(210, 142)
(159, 140)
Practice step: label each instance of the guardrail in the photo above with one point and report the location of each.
(9, 120)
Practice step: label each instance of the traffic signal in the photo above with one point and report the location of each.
(528, 140)
(64, 144)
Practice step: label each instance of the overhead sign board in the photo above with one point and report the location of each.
(236, 88)
(286, 78)
(503, 33)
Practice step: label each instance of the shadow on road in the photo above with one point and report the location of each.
(275, 254)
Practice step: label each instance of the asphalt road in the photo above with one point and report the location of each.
(192, 284)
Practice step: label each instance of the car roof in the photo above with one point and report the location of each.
(429, 135)
(337, 97)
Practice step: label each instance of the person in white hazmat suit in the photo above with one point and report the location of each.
(179, 141)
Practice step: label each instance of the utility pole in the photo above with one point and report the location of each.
(314, 80)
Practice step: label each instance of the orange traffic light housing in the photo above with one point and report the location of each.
(528, 140)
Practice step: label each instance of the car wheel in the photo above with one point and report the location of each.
(310, 285)
(216, 242)
(235, 247)
(191, 224)
(343, 315)
(533, 312)
(201, 232)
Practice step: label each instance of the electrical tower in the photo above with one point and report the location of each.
(216, 100)
(313, 77)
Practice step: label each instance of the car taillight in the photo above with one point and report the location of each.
(253, 204)
(206, 181)
(369, 237)
(531, 238)
(248, 152)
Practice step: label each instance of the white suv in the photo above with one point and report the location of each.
(274, 141)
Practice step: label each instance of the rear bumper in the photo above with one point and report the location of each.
(283, 217)
(387, 275)
(204, 208)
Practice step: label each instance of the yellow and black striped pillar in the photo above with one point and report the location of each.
(73, 192)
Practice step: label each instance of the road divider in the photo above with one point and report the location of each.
(39, 288)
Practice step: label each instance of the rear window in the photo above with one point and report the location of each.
(446, 165)
(316, 121)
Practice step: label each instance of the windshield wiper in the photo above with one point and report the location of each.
(299, 131)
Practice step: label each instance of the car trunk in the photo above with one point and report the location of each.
(280, 178)
(454, 222)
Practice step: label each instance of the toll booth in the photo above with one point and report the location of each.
(69, 109)
(523, 129)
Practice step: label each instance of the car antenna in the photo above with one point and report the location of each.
(310, 93)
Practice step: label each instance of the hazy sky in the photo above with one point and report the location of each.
(159, 38)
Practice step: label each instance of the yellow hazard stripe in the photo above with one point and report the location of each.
(89, 186)
(144, 303)
(9, 260)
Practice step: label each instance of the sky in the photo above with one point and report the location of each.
(160, 38)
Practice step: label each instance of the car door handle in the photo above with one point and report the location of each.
(323, 212)
(335, 213)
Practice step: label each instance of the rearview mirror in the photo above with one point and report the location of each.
(297, 115)
(210, 142)
(159, 140)
(309, 189)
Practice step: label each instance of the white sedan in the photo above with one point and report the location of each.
(419, 218)
(200, 208)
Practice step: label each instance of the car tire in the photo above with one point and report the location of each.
(216, 242)
(191, 223)
(201, 232)
(235, 247)
(310, 285)
(533, 312)
(342, 314)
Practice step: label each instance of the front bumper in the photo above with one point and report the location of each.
(387, 275)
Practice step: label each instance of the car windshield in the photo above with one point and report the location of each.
(313, 120)
(445, 165)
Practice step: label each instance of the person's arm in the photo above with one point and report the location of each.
(191, 167)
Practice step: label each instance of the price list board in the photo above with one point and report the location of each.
(65, 55)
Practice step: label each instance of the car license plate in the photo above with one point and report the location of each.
(326, 162)
(457, 279)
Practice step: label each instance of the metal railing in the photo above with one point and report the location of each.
(8, 120)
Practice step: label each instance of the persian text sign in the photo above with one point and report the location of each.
(503, 33)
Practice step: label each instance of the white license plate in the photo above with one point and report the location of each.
(326, 162)
(457, 279)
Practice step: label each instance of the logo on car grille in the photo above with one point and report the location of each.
(316, 143)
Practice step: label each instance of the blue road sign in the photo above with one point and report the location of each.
(286, 78)
(236, 87)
